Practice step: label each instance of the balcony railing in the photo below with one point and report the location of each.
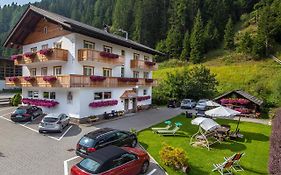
(55, 55)
(91, 55)
(77, 81)
(144, 65)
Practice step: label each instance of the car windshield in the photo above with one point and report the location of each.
(89, 165)
(202, 101)
(20, 111)
(50, 119)
(87, 142)
(185, 101)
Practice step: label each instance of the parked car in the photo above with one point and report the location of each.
(26, 113)
(54, 123)
(173, 103)
(201, 105)
(200, 113)
(113, 160)
(102, 138)
(188, 104)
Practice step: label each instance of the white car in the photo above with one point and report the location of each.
(188, 104)
(54, 123)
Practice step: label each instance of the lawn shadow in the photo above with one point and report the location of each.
(229, 145)
(197, 170)
(144, 145)
(253, 171)
(249, 136)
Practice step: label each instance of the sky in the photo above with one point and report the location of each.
(20, 2)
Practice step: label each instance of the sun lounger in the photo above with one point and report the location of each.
(164, 128)
(236, 161)
(168, 132)
(223, 168)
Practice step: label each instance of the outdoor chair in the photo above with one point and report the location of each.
(223, 168)
(168, 132)
(168, 126)
(236, 159)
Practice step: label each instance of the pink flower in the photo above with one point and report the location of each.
(16, 57)
(149, 63)
(50, 79)
(143, 98)
(109, 55)
(13, 79)
(97, 78)
(46, 52)
(39, 102)
(103, 103)
(30, 79)
(30, 54)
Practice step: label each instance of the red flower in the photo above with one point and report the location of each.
(97, 78)
(13, 79)
(30, 79)
(149, 63)
(50, 79)
(103, 103)
(46, 52)
(16, 57)
(109, 55)
(30, 54)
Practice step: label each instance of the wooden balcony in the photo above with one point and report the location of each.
(143, 65)
(77, 81)
(93, 56)
(57, 55)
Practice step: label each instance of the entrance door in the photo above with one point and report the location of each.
(126, 105)
(134, 104)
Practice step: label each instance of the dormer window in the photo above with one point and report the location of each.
(89, 45)
(107, 49)
(57, 45)
(45, 30)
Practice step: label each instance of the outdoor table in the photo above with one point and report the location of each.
(223, 132)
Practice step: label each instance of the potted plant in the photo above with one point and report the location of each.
(30, 55)
(29, 79)
(46, 52)
(16, 57)
(13, 79)
(50, 79)
(97, 78)
(109, 55)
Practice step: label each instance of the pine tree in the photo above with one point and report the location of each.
(211, 36)
(246, 43)
(186, 47)
(197, 40)
(229, 35)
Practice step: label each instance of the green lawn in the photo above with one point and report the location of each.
(255, 144)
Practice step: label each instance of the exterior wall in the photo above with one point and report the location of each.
(2, 85)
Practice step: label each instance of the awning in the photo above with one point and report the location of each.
(128, 94)
(212, 103)
(222, 112)
(205, 123)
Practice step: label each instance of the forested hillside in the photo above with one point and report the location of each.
(151, 22)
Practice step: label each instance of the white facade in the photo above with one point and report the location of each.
(78, 105)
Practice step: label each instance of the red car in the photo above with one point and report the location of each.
(113, 160)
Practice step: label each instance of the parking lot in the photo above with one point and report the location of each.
(24, 151)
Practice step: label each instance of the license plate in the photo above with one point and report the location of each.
(83, 151)
(18, 116)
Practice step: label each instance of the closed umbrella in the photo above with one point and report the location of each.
(223, 112)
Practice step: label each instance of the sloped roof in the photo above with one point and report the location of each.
(129, 94)
(245, 95)
(71, 25)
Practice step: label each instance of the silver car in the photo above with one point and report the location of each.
(201, 105)
(54, 123)
(188, 104)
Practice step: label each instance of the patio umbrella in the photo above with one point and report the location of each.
(212, 103)
(223, 112)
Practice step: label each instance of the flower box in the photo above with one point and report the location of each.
(30, 55)
(50, 79)
(103, 103)
(149, 80)
(143, 98)
(97, 78)
(122, 79)
(109, 55)
(39, 102)
(149, 63)
(29, 79)
(16, 57)
(13, 79)
(240, 101)
(242, 110)
(46, 52)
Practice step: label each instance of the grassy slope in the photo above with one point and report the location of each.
(233, 71)
(255, 145)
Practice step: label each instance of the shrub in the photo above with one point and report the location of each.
(275, 148)
(173, 157)
(16, 100)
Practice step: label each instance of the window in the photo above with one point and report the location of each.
(52, 95)
(33, 72)
(146, 75)
(136, 56)
(35, 94)
(46, 95)
(33, 49)
(45, 46)
(107, 49)
(146, 58)
(30, 94)
(121, 135)
(89, 45)
(107, 72)
(122, 71)
(136, 74)
(58, 45)
(98, 96)
(44, 71)
(123, 52)
(107, 95)
(57, 70)
(144, 92)
(88, 70)
(45, 30)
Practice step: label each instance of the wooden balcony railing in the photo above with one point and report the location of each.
(143, 65)
(96, 56)
(77, 81)
(56, 55)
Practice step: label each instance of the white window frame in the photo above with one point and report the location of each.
(136, 74)
(136, 56)
(33, 72)
(45, 46)
(88, 70)
(89, 45)
(107, 72)
(55, 70)
(107, 49)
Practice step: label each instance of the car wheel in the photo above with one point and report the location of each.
(134, 143)
(144, 167)
(40, 131)
(61, 129)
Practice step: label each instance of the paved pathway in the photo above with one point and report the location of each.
(255, 120)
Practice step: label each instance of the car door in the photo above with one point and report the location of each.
(63, 120)
(127, 164)
(110, 139)
(123, 139)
